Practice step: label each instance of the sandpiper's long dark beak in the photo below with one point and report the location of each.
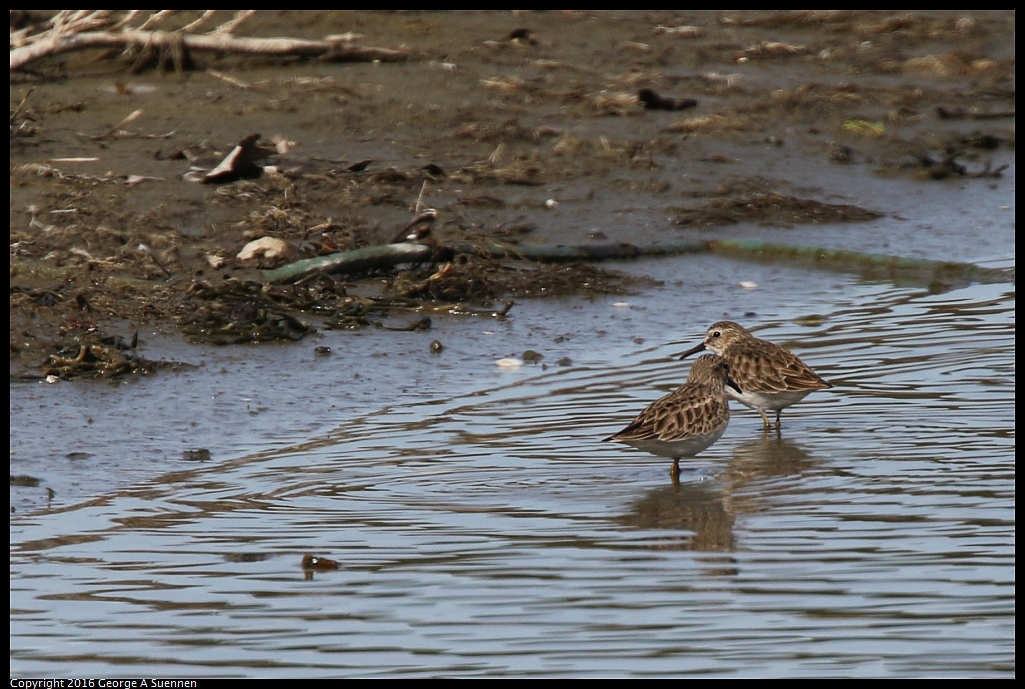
(693, 350)
(733, 384)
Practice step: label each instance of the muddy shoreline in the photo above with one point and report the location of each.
(545, 128)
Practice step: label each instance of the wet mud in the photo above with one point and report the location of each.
(541, 128)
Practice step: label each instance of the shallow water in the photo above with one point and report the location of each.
(482, 530)
(481, 527)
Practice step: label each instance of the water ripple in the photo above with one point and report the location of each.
(493, 534)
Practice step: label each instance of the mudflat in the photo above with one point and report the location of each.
(541, 128)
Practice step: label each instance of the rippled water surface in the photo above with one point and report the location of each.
(482, 529)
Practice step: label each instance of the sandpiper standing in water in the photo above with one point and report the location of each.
(687, 420)
(770, 376)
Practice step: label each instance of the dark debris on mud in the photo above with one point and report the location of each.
(90, 354)
(776, 209)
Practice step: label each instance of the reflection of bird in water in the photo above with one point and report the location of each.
(696, 508)
(768, 456)
(770, 376)
(753, 480)
(705, 511)
(687, 420)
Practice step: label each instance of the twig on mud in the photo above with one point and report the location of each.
(17, 110)
(143, 249)
(229, 79)
(117, 127)
(420, 207)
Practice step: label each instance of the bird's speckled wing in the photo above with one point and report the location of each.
(687, 412)
(760, 366)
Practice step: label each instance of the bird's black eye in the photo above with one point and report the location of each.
(726, 367)
(717, 334)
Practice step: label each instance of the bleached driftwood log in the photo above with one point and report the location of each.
(70, 31)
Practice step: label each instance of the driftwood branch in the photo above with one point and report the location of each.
(387, 255)
(59, 42)
(352, 262)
